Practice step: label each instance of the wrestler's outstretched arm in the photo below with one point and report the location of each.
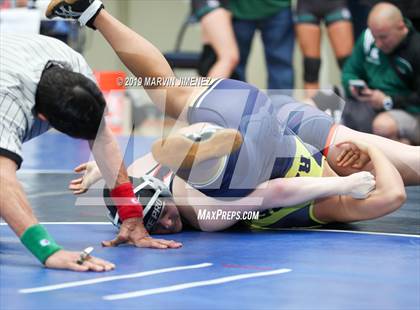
(143, 59)
(339, 192)
(337, 206)
(139, 55)
(274, 193)
(287, 192)
(388, 196)
(283, 192)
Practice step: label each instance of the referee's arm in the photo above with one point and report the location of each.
(15, 210)
(14, 207)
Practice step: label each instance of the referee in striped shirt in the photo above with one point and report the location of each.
(43, 84)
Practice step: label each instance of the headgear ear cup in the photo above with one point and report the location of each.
(149, 191)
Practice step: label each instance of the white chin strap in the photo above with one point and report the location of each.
(114, 220)
(89, 12)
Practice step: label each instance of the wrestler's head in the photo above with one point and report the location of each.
(160, 214)
(169, 221)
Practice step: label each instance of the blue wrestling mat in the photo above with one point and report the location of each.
(57, 152)
(241, 270)
(294, 269)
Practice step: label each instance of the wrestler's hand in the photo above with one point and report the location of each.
(360, 184)
(132, 231)
(91, 176)
(353, 154)
(68, 260)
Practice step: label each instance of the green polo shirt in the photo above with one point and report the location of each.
(370, 64)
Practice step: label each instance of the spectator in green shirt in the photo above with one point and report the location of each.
(387, 58)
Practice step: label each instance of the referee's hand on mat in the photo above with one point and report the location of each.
(132, 231)
(68, 260)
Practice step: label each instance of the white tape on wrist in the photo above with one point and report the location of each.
(90, 12)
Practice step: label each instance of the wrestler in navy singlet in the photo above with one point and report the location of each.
(269, 148)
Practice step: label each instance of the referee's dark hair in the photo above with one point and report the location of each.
(71, 102)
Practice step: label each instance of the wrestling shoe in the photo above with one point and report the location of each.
(84, 11)
(180, 151)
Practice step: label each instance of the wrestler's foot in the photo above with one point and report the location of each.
(183, 151)
(85, 11)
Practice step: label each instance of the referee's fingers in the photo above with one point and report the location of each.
(101, 262)
(92, 266)
(77, 267)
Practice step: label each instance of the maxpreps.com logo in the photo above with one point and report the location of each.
(219, 214)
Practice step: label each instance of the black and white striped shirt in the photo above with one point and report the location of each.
(22, 60)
